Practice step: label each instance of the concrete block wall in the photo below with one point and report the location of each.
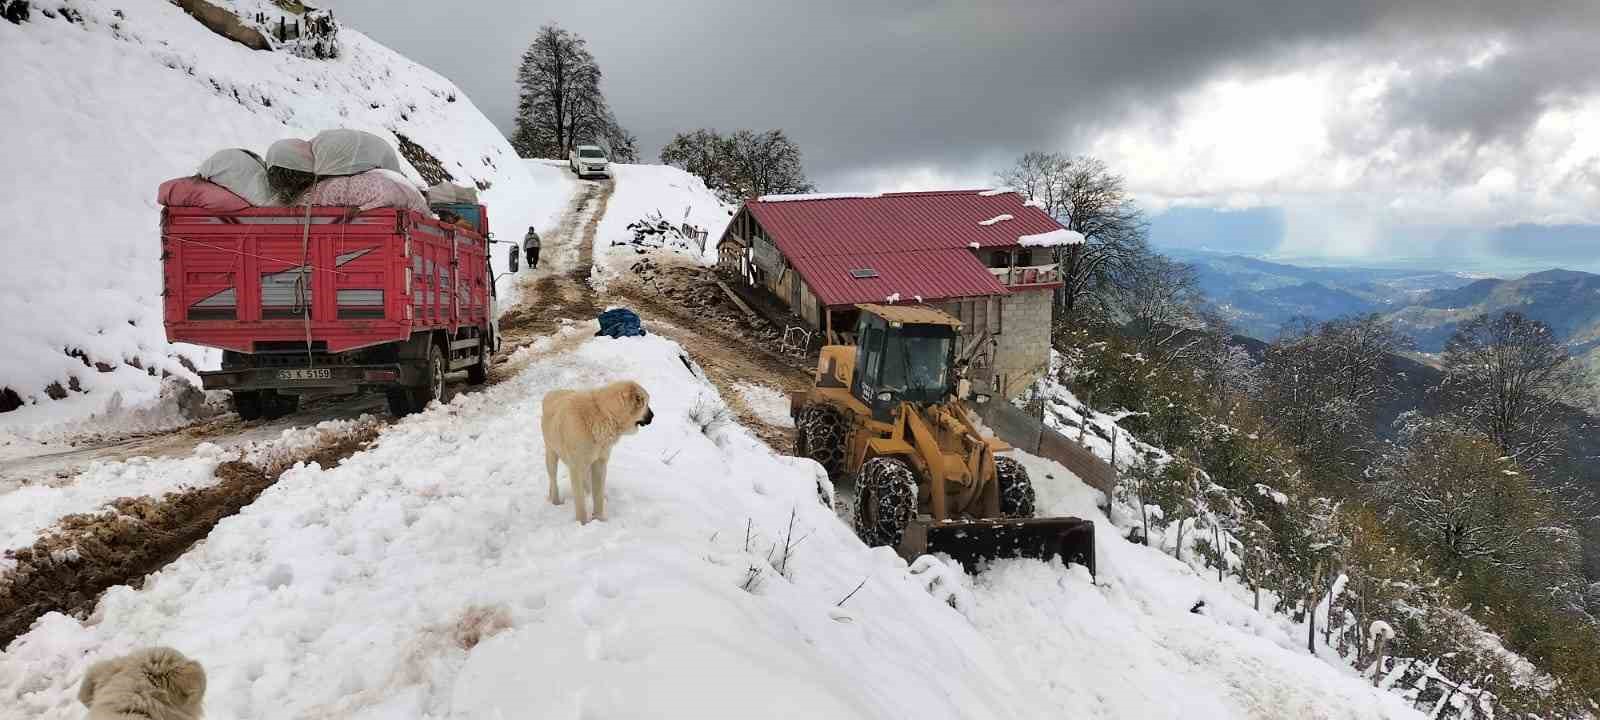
(1022, 354)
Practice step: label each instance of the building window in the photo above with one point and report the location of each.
(1000, 259)
(1024, 257)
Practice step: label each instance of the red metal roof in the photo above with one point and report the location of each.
(929, 274)
(920, 243)
(894, 222)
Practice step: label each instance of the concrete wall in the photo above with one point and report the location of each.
(1022, 353)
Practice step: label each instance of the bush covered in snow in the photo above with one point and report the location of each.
(1229, 494)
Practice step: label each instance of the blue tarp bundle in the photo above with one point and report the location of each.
(620, 322)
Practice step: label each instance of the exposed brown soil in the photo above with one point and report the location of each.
(686, 305)
(68, 569)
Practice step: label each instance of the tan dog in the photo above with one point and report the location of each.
(156, 683)
(580, 427)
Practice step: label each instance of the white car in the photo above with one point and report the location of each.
(587, 160)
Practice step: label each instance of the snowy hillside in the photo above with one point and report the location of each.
(660, 193)
(428, 575)
(105, 102)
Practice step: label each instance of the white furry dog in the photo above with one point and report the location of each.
(156, 683)
(580, 428)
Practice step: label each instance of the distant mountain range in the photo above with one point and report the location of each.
(1261, 297)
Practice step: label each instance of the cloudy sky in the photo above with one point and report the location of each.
(1343, 128)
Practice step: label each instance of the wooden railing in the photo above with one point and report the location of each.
(1027, 275)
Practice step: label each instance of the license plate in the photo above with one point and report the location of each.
(305, 374)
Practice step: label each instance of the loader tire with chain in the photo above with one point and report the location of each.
(1016, 489)
(886, 500)
(820, 433)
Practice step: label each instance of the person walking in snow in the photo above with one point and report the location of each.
(530, 246)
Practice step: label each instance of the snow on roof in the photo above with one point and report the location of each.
(1054, 238)
(996, 191)
(995, 219)
(816, 196)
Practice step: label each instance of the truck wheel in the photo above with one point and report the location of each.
(1016, 489)
(886, 500)
(248, 404)
(276, 405)
(433, 386)
(399, 401)
(478, 373)
(820, 433)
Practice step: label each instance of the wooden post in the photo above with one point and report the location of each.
(1377, 670)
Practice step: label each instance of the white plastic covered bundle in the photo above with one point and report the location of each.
(449, 193)
(291, 154)
(368, 190)
(242, 173)
(349, 152)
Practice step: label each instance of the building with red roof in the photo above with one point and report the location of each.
(986, 257)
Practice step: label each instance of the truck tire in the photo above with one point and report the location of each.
(478, 373)
(886, 500)
(247, 403)
(399, 398)
(275, 405)
(820, 434)
(433, 386)
(1016, 489)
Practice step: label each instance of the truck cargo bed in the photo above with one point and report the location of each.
(326, 280)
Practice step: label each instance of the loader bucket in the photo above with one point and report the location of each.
(971, 542)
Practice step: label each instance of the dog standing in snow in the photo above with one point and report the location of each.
(581, 427)
(156, 683)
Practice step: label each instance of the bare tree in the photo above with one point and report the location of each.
(765, 163)
(560, 104)
(1324, 383)
(704, 153)
(1162, 300)
(1085, 196)
(742, 165)
(1471, 506)
(1511, 379)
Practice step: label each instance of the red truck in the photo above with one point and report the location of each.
(324, 300)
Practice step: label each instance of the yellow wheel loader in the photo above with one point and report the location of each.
(889, 413)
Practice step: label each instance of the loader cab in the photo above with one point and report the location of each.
(898, 361)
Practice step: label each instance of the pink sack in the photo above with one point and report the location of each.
(368, 190)
(193, 192)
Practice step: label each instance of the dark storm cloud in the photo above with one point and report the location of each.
(1499, 98)
(960, 85)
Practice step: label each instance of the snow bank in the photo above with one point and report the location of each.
(1054, 238)
(100, 111)
(427, 575)
(30, 509)
(769, 404)
(1125, 644)
(995, 219)
(664, 191)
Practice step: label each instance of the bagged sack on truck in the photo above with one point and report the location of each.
(350, 152)
(229, 180)
(368, 190)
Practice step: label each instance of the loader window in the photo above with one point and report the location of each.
(916, 364)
